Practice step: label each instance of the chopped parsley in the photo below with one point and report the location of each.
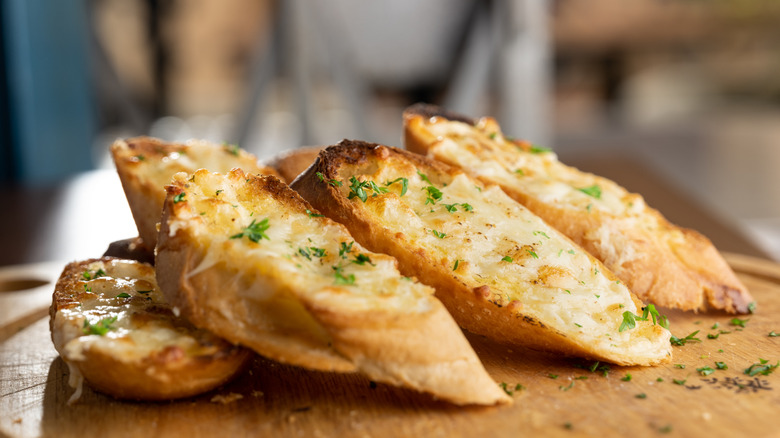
(312, 251)
(312, 214)
(362, 259)
(439, 234)
(773, 334)
(626, 378)
(629, 321)
(179, 198)
(532, 253)
(705, 371)
(568, 387)
(345, 249)
(452, 208)
(641, 395)
(434, 195)
(762, 367)
(90, 276)
(679, 382)
(333, 182)
(505, 386)
(404, 184)
(520, 172)
(680, 366)
(538, 149)
(552, 376)
(543, 234)
(357, 189)
(593, 191)
(721, 365)
(342, 279)
(424, 177)
(674, 340)
(123, 295)
(752, 307)
(739, 322)
(507, 259)
(100, 328)
(255, 231)
(232, 148)
(455, 266)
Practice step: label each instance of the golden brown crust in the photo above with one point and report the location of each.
(163, 370)
(145, 165)
(473, 306)
(668, 265)
(288, 308)
(289, 164)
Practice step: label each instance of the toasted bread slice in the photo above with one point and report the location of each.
(661, 262)
(111, 325)
(145, 165)
(245, 257)
(289, 164)
(500, 270)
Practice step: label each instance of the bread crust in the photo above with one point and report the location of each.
(662, 263)
(145, 165)
(124, 362)
(474, 306)
(281, 305)
(289, 164)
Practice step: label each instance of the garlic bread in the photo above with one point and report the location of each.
(500, 270)
(111, 325)
(661, 262)
(246, 258)
(145, 165)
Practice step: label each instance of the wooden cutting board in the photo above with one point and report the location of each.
(559, 396)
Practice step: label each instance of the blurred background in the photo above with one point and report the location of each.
(688, 88)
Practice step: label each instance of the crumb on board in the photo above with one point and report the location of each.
(225, 399)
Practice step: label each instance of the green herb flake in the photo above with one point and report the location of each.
(123, 295)
(682, 341)
(773, 334)
(659, 379)
(538, 149)
(739, 322)
(231, 148)
(552, 376)
(362, 259)
(357, 189)
(629, 321)
(641, 395)
(752, 307)
(510, 390)
(507, 259)
(532, 253)
(520, 172)
(567, 387)
(455, 266)
(424, 177)
(404, 184)
(434, 194)
(179, 198)
(438, 234)
(255, 231)
(705, 371)
(680, 366)
(593, 191)
(342, 279)
(543, 234)
(100, 328)
(312, 214)
(333, 182)
(679, 382)
(626, 378)
(345, 249)
(762, 367)
(713, 335)
(721, 365)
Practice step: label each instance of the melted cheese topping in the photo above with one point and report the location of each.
(302, 254)
(487, 239)
(123, 315)
(484, 150)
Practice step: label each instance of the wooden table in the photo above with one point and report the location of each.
(559, 396)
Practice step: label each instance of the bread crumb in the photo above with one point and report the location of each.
(225, 399)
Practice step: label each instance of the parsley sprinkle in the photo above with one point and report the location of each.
(543, 234)
(772, 334)
(705, 371)
(680, 366)
(312, 214)
(357, 189)
(626, 378)
(510, 391)
(752, 307)
(538, 149)
(438, 234)
(332, 182)
(434, 194)
(641, 395)
(424, 177)
(341, 278)
(255, 231)
(679, 382)
(593, 191)
(629, 321)
(101, 328)
(674, 340)
(721, 365)
(232, 148)
(761, 368)
(179, 198)
(520, 172)
(532, 253)
(507, 259)
(568, 387)
(362, 259)
(123, 295)
(404, 184)
(455, 267)
(739, 322)
(345, 249)
(713, 335)
(552, 376)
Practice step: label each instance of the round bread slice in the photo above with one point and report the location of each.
(246, 258)
(112, 326)
(145, 165)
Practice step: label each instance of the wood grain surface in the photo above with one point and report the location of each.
(559, 396)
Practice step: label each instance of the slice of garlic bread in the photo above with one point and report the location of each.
(111, 325)
(245, 257)
(145, 165)
(500, 270)
(661, 262)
